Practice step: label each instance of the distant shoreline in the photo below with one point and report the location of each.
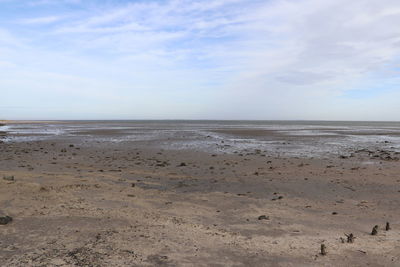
(5, 122)
(194, 120)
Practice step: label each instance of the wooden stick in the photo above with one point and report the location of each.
(323, 249)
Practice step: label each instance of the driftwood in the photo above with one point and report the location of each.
(374, 230)
(323, 249)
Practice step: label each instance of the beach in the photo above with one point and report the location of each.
(181, 193)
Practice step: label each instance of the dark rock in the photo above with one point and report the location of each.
(387, 228)
(5, 220)
(374, 230)
(263, 217)
(182, 164)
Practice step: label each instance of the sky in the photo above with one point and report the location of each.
(187, 59)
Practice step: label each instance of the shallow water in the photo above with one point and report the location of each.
(295, 138)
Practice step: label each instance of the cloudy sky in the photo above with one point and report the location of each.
(189, 59)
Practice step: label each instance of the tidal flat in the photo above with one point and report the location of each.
(199, 194)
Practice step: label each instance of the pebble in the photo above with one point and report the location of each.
(8, 178)
(5, 220)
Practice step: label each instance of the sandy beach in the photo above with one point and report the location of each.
(83, 202)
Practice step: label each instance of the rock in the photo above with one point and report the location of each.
(374, 230)
(387, 228)
(5, 220)
(8, 178)
(182, 164)
(263, 217)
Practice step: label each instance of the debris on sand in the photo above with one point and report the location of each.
(323, 250)
(9, 178)
(5, 220)
(263, 217)
(350, 238)
(374, 230)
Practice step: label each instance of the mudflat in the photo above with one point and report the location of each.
(78, 203)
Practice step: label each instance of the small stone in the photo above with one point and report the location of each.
(5, 220)
(374, 230)
(387, 228)
(263, 217)
(182, 164)
(8, 178)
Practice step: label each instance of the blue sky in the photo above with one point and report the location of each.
(216, 59)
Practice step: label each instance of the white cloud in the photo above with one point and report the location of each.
(281, 57)
(8, 39)
(40, 20)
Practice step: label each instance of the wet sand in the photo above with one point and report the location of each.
(135, 204)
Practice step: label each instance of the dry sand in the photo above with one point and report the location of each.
(119, 205)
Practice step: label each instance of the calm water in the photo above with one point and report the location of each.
(302, 138)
